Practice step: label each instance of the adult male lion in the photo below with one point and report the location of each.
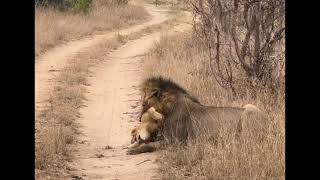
(186, 117)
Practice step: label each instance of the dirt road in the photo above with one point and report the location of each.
(49, 64)
(113, 103)
(112, 107)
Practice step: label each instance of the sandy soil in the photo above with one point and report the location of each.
(111, 112)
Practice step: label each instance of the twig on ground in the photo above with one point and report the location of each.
(143, 161)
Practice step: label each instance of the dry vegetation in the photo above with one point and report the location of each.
(184, 59)
(56, 125)
(53, 27)
(243, 39)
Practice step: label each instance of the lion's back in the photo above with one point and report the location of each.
(229, 120)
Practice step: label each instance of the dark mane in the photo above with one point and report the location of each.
(168, 85)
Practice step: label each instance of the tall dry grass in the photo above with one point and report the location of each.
(53, 27)
(182, 59)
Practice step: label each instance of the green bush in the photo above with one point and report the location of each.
(78, 6)
(82, 6)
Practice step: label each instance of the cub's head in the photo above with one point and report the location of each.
(151, 123)
(140, 135)
(151, 116)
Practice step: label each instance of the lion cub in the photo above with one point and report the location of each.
(147, 131)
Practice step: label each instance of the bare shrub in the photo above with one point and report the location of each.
(243, 36)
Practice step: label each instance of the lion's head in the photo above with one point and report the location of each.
(161, 94)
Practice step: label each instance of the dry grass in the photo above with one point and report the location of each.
(182, 59)
(53, 27)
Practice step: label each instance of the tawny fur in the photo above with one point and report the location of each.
(151, 124)
(186, 117)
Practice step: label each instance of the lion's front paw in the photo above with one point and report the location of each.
(131, 151)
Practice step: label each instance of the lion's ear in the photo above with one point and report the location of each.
(155, 115)
(156, 93)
